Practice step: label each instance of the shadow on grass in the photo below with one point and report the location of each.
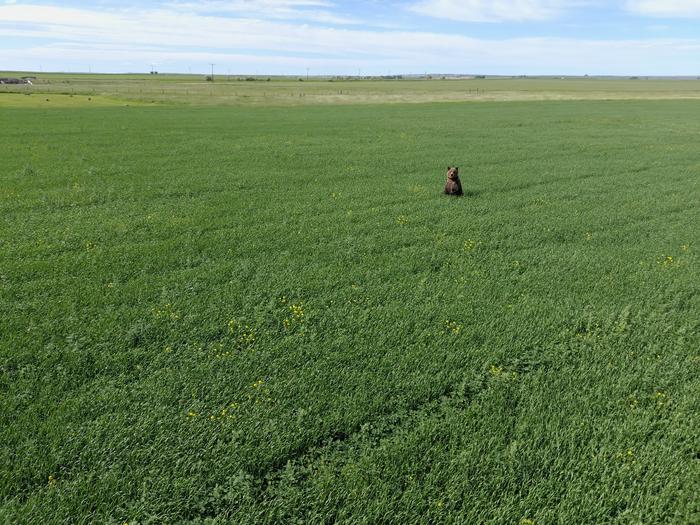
(467, 194)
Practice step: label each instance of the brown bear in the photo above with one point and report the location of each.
(453, 185)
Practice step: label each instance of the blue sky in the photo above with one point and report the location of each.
(572, 37)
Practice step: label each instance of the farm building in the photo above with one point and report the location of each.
(26, 80)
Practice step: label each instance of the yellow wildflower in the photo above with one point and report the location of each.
(665, 260)
(453, 327)
(297, 310)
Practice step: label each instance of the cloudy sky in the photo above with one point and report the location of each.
(615, 37)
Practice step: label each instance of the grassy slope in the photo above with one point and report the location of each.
(527, 352)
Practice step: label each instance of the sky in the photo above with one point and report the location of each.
(340, 37)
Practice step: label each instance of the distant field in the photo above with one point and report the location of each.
(233, 90)
(272, 315)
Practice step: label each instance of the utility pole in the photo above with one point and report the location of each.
(212, 72)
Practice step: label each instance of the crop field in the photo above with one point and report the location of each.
(270, 314)
(56, 90)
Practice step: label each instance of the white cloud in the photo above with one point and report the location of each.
(250, 5)
(665, 8)
(122, 40)
(309, 10)
(491, 10)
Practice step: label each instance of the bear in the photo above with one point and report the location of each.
(453, 185)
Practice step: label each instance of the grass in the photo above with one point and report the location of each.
(272, 315)
(236, 91)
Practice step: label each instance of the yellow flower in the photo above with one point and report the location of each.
(297, 316)
(297, 310)
(52, 480)
(453, 327)
(665, 260)
(247, 336)
(469, 245)
(626, 456)
(661, 398)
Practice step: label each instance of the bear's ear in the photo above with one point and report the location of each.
(449, 168)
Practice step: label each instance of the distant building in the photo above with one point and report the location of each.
(25, 80)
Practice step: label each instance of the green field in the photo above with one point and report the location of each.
(226, 90)
(250, 314)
